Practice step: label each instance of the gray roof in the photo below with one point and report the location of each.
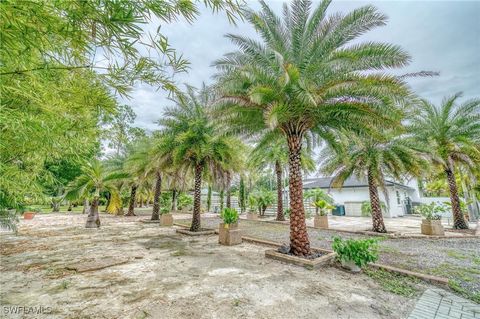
(325, 182)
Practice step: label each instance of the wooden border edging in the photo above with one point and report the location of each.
(428, 278)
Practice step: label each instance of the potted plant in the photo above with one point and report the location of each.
(322, 207)
(30, 212)
(354, 254)
(432, 219)
(252, 204)
(228, 232)
(166, 218)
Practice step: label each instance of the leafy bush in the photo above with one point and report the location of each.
(263, 200)
(164, 210)
(229, 216)
(360, 251)
(286, 212)
(431, 211)
(185, 201)
(252, 204)
(322, 207)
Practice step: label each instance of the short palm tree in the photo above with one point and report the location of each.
(318, 195)
(95, 178)
(307, 77)
(195, 142)
(451, 131)
(373, 158)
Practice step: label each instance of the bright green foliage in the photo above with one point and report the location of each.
(317, 194)
(360, 251)
(262, 199)
(323, 207)
(242, 195)
(185, 201)
(229, 216)
(432, 211)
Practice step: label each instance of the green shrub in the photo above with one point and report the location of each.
(322, 207)
(229, 216)
(164, 210)
(185, 201)
(431, 211)
(360, 251)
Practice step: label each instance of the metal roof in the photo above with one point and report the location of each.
(325, 182)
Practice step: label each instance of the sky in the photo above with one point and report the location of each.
(441, 36)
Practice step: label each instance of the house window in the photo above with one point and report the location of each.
(399, 201)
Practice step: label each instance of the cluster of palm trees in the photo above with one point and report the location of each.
(306, 83)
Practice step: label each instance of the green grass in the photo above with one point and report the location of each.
(455, 286)
(395, 283)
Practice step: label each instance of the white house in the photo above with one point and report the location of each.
(354, 192)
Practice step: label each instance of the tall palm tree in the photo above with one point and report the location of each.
(305, 77)
(374, 159)
(95, 178)
(195, 142)
(452, 133)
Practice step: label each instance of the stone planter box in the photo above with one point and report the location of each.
(229, 236)
(166, 220)
(320, 222)
(350, 265)
(299, 261)
(252, 216)
(432, 227)
(28, 215)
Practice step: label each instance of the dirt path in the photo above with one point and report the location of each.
(170, 276)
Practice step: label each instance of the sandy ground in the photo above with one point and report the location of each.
(170, 276)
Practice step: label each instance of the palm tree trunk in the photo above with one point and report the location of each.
(131, 204)
(299, 242)
(93, 219)
(377, 217)
(85, 206)
(221, 199)
(209, 198)
(458, 219)
(156, 197)
(196, 198)
(229, 180)
(278, 171)
(174, 200)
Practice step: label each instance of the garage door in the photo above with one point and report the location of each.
(353, 208)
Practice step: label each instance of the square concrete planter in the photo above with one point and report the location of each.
(432, 227)
(230, 235)
(320, 221)
(28, 215)
(166, 220)
(299, 261)
(252, 216)
(201, 232)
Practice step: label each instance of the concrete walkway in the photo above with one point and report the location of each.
(441, 304)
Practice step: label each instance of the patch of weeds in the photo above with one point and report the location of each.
(143, 315)
(179, 253)
(476, 260)
(308, 267)
(64, 285)
(398, 284)
(455, 286)
(53, 273)
(455, 254)
(236, 302)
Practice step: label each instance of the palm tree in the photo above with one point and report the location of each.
(304, 78)
(452, 133)
(95, 178)
(195, 142)
(373, 158)
(317, 195)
